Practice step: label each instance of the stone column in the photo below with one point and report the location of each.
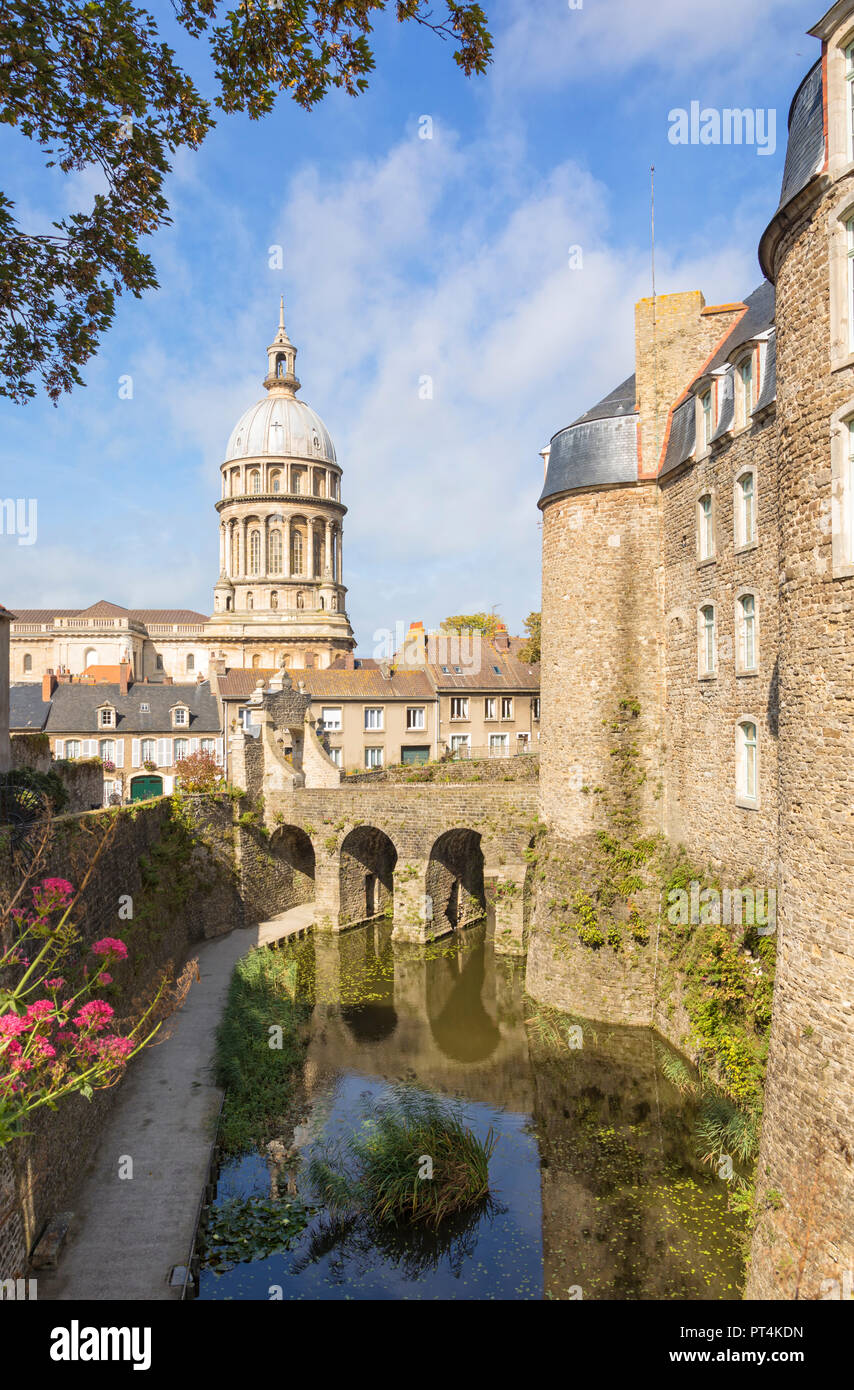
(327, 557)
(339, 579)
(413, 918)
(243, 565)
(286, 548)
(505, 889)
(264, 521)
(310, 526)
(222, 547)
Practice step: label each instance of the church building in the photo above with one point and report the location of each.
(280, 596)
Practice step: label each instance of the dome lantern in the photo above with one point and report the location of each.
(281, 360)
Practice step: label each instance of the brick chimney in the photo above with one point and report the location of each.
(124, 677)
(49, 684)
(501, 640)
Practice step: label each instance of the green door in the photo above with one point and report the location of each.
(141, 788)
(415, 755)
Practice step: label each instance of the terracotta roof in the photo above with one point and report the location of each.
(104, 609)
(103, 673)
(333, 684)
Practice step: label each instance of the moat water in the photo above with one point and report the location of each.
(598, 1191)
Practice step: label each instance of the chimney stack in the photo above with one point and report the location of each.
(124, 677)
(49, 684)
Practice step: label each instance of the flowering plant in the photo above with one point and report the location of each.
(56, 1038)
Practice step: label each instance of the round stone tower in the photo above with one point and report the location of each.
(280, 596)
(804, 1241)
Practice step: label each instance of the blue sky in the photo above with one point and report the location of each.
(403, 257)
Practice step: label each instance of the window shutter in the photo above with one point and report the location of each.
(120, 752)
(194, 745)
(219, 751)
(90, 748)
(164, 752)
(134, 752)
(59, 748)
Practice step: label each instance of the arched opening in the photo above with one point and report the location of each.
(28, 662)
(294, 850)
(90, 657)
(366, 875)
(191, 661)
(455, 892)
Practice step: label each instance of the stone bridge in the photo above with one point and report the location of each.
(427, 857)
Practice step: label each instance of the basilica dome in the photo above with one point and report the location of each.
(280, 425)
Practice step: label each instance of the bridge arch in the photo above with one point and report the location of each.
(293, 848)
(366, 875)
(454, 883)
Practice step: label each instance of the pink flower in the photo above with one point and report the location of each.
(94, 1014)
(43, 1047)
(111, 945)
(55, 984)
(52, 893)
(114, 1049)
(104, 979)
(10, 1024)
(42, 1008)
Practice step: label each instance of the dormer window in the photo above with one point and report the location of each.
(707, 418)
(180, 716)
(744, 391)
(106, 717)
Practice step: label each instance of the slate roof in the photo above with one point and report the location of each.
(600, 447)
(27, 709)
(758, 319)
(805, 148)
(498, 671)
(74, 708)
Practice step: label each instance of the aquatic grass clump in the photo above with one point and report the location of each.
(415, 1161)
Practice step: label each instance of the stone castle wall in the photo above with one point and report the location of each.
(805, 1235)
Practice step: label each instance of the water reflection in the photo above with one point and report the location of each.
(596, 1184)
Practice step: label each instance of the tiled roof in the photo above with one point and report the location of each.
(4, 613)
(334, 684)
(73, 709)
(27, 709)
(104, 609)
(498, 671)
(103, 673)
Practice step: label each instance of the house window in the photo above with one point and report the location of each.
(296, 553)
(335, 755)
(106, 718)
(107, 750)
(208, 745)
(276, 482)
(490, 708)
(191, 662)
(373, 757)
(28, 662)
(708, 640)
(254, 481)
(459, 707)
(535, 707)
(746, 619)
(747, 760)
(498, 744)
(415, 717)
(182, 748)
(148, 750)
(158, 662)
(706, 410)
(459, 741)
(179, 716)
(373, 717)
(506, 707)
(72, 748)
(705, 528)
(331, 717)
(744, 379)
(745, 518)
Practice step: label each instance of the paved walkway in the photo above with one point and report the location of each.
(127, 1234)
